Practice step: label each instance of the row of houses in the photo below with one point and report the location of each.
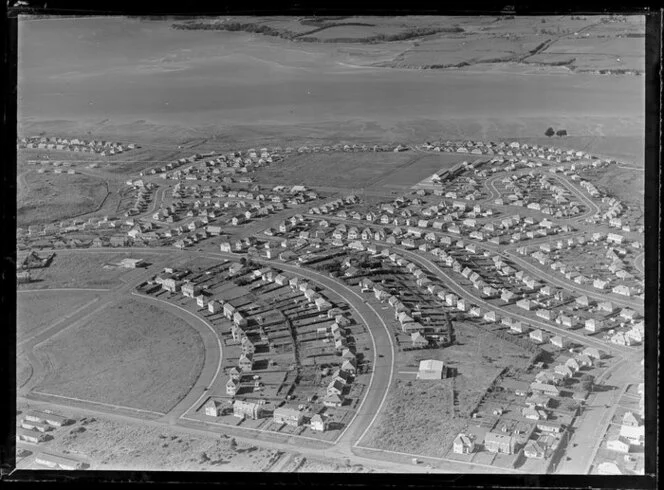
(75, 145)
(256, 410)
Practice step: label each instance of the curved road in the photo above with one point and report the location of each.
(463, 292)
(213, 356)
(383, 368)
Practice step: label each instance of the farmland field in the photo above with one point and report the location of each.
(349, 170)
(38, 310)
(355, 32)
(148, 364)
(451, 50)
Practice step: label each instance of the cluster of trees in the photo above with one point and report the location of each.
(550, 132)
(381, 38)
(235, 26)
(285, 34)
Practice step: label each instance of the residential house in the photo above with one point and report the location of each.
(497, 442)
(247, 409)
(288, 415)
(463, 444)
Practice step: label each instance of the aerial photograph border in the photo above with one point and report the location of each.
(368, 247)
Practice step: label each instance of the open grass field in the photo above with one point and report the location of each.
(418, 417)
(39, 310)
(132, 354)
(351, 170)
(421, 168)
(23, 371)
(44, 199)
(72, 270)
(626, 184)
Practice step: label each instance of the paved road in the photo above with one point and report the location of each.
(640, 262)
(382, 370)
(591, 425)
(347, 445)
(467, 293)
(570, 286)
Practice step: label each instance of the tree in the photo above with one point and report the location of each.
(561, 132)
(549, 132)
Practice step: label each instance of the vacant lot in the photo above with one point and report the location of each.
(418, 417)
(626, 184)
(47, 198)
(132, 354)
(351, 170)
(80, 270)
(110, 445)
(38, 310)
(421, 168)
(424, 417)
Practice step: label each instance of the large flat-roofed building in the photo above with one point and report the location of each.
(30, 436)
(45, 417)
(59, 462)
(132, 263)
(431, 369)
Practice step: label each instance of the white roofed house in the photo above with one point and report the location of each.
(288, 415)
(246, 362)
(538, 336)
(318, 423)
(592, 352)
(232, 386)
(247, 409)
(525, 304)
(431, 369)
(213, 408)
(559, 341)
(463, 444)
(519, 327)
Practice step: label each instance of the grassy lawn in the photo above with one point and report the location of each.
(40, 309)
(132, 354)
